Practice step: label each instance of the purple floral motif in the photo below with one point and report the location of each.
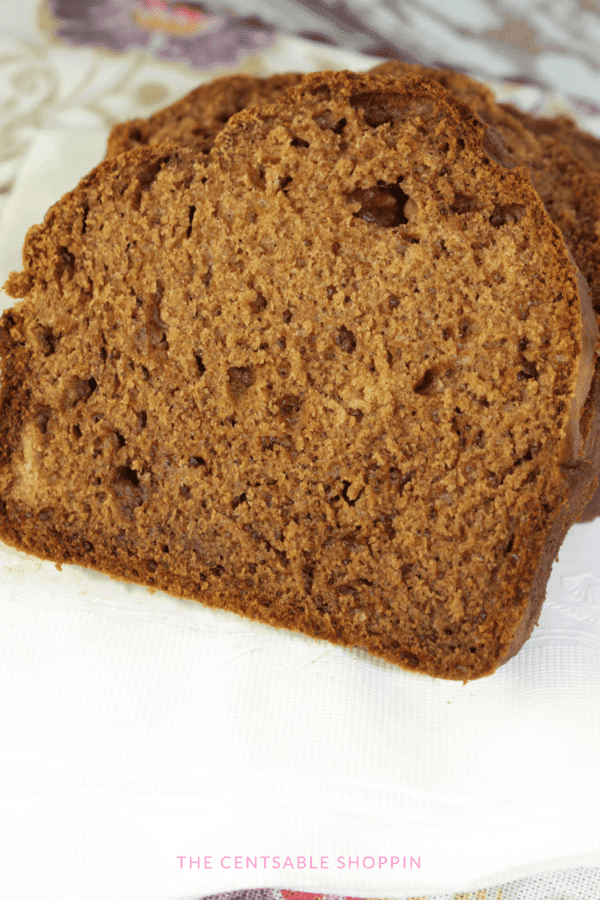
(585, 107)
(175, 31)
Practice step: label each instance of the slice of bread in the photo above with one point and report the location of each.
(198, 117)
(565, 170)
(585, 146)
(565, 162)
(337, 375)
(569, 188)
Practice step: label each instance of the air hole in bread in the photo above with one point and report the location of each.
(289, 407)
(320, 89)
(199, 363)
(378, 107)
(345, 340)
(328, 122)
(47, 341)
(462, 204)
(240, 379)
(65, 264)
(528, 371)
(237, 501)
(383, 204)
(308, 576)
(259, 304)
(77, 390)
(191, 220)
(425, 383)
(357, 414)
(147, 175)
(126, 475)
(398, 479)
(347, 496)
(506, 214)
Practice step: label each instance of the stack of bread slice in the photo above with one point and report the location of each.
(320, 350)
(564, 161)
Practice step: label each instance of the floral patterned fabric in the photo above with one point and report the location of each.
(551, 42)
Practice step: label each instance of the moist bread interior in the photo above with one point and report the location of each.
(331, 376)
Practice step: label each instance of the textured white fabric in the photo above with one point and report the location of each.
(570, 884)
(137, 731)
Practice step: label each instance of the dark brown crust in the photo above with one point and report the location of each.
(50, 538)
(583, 479)
(15, 356)
(591, 433)
(586, 148)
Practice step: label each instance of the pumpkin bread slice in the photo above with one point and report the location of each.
(337, 375)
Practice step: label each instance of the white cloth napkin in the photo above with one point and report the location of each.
(152, 749)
